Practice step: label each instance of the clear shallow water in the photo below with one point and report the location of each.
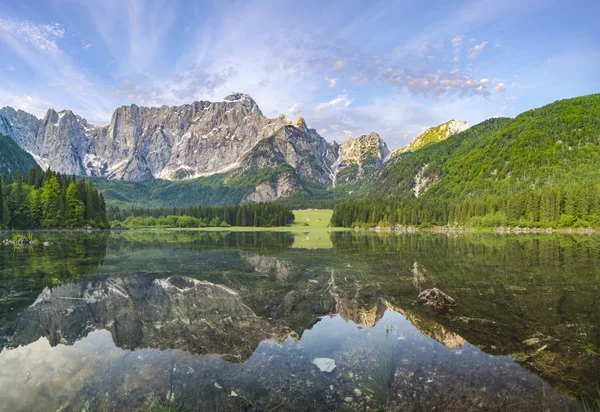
(216, 321)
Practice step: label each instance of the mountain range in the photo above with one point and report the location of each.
(230, 141)
(538, 170)
(228, 152)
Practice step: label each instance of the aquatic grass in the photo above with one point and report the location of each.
(170, 404)
(594, 406)
(381, 370)
(249, 401)
(16, 236)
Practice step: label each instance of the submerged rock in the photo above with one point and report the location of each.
(324, 364)
(532, 341)
(24, 242)
(437, 299)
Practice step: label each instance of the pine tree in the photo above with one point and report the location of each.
(35, 208)
(51, 202)
(75, 207)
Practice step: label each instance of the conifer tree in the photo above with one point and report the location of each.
(51, 202)
(75, 207)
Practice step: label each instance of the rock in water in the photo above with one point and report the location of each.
(437, 299)
(324, 364)
(24, 242)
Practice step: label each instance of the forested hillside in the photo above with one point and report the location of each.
(13, 158)
(41, 199)
(539, 169)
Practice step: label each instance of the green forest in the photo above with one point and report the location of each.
(540, 169)
(49, 200)
(253, 214)
(13, 158)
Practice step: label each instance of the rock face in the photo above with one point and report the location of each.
(195, 140)
(19, 125)
(433, 135)
(360, 158)
(437, 299)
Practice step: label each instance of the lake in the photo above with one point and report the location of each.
(267, 321)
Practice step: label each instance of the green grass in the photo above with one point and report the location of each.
(315, 218)
(313, 236)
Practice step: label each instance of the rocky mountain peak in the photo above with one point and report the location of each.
(433, 135)
(364, 147)
(300, 123)
(359, 158)
(21, 126)
(244, 99)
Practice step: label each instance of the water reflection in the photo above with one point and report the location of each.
(234, 321)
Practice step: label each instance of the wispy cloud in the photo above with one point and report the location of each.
(37, 45)
(331, 81)
(133, 30)
(41, 36)
(476, 51)
(340, 102)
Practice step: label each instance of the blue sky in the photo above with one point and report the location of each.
(348, 67)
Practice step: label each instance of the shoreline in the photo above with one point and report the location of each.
(300, 229)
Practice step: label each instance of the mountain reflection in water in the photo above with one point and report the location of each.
(234, 321)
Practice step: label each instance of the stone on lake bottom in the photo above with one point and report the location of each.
(324, 364)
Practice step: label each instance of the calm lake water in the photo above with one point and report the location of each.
(242, 321)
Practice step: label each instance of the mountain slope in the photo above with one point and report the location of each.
(552, 144)
(540, 168)
(433, 135)
(13, 158)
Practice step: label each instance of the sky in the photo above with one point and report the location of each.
(348, 67)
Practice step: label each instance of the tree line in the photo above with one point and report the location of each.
(573, 205)
(49, 200)
(253, 214)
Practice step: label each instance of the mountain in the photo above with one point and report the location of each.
(360, 158)
(13, 158)
(538, 169)
(433, 135)
(245, 154)
(555, 143)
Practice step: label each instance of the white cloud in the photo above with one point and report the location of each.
(31, 104)
(339, 65)
(295, 110)
(340, 102)
(41, 36)
(87, 46)
(476, 51)
(457, 41)
(440, 84)
(500, 88)
(331, 82)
